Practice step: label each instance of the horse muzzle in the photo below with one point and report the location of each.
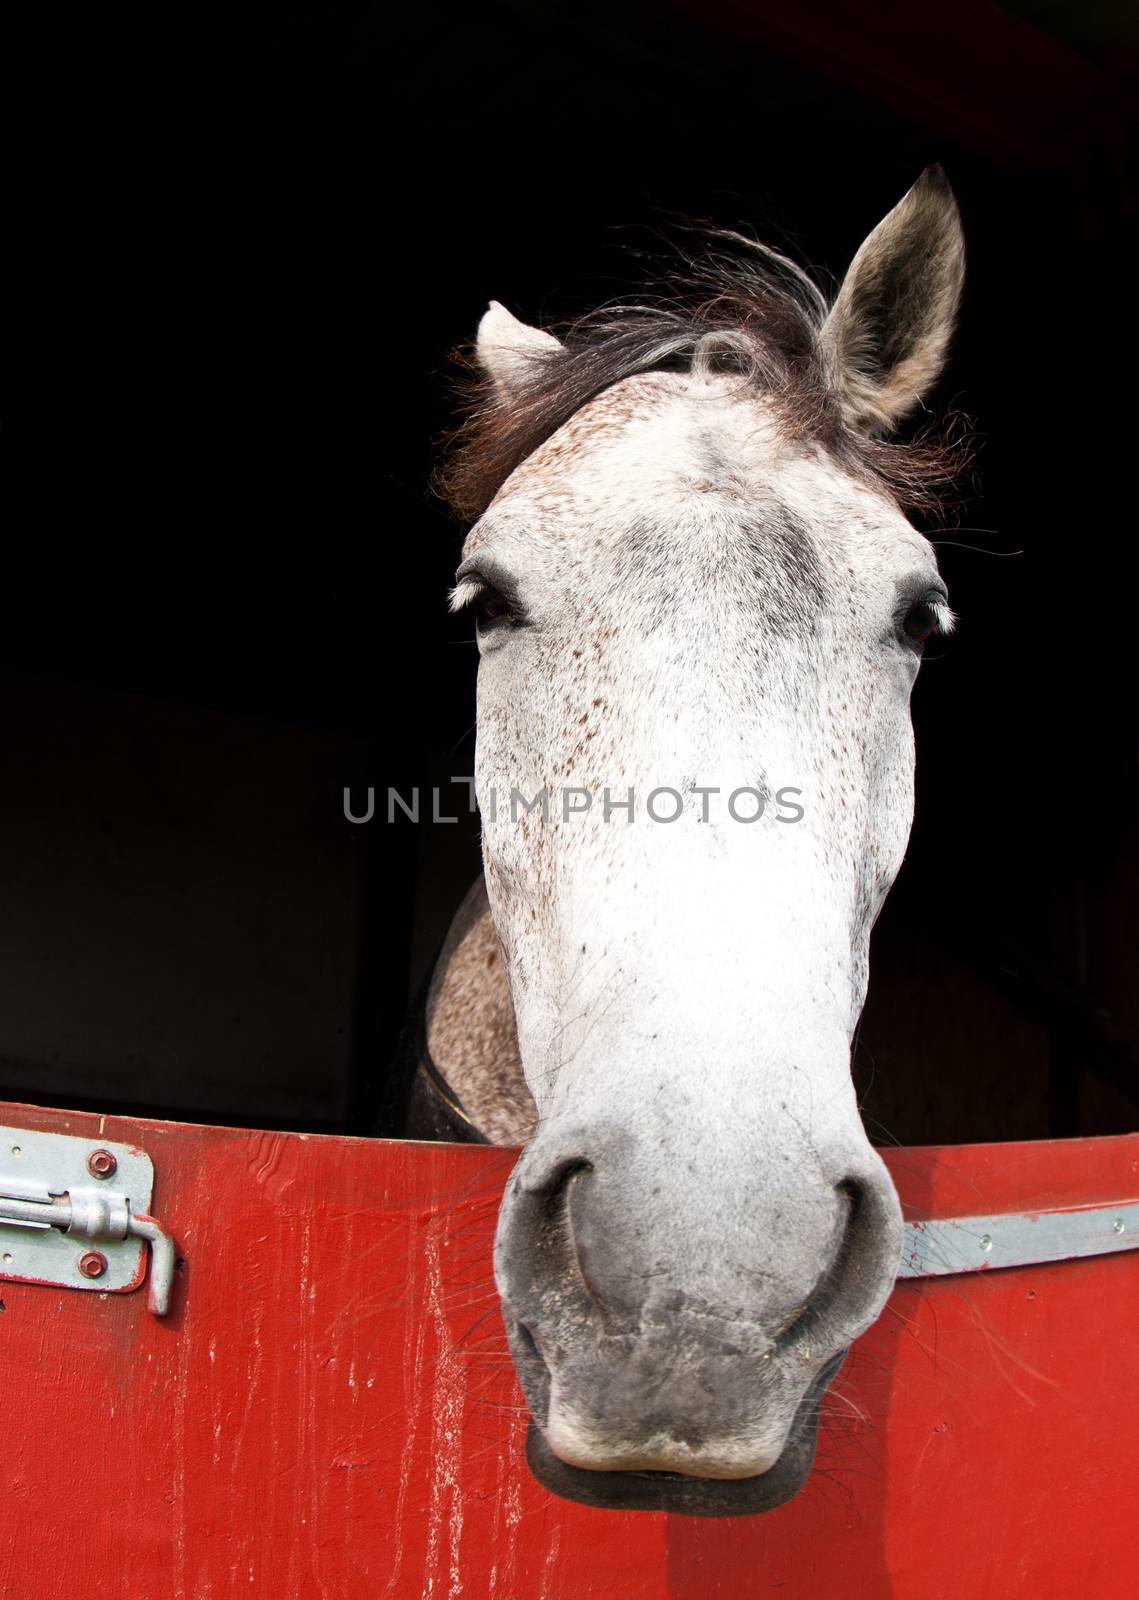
(665, 1373)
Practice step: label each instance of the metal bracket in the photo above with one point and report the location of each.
(1017, 1239)
(60, 1197)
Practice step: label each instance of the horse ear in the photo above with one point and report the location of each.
(888, 330)
(509, 350)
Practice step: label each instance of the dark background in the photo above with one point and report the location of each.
(227, 574)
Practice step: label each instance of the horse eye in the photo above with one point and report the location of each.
(920, 623)
(490, 608)
(928, 617)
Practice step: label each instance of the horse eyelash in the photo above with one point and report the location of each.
(466, 592)
(945, 619)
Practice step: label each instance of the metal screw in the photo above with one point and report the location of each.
(101, 1164)
(985, 1242)
(1118, 1225)
(92, 1263)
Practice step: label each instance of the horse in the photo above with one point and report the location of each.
(692, 575)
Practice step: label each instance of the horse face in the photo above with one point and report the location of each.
(699, 633)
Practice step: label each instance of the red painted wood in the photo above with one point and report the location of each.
(329, 1410)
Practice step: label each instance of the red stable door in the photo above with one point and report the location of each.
(327, 1408)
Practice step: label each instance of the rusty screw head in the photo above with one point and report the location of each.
(101, 1164)
(92, 1263)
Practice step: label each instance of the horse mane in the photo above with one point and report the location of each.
(734, 305)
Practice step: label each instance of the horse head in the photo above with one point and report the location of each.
(701, 611)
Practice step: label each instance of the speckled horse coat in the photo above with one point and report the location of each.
(691, 574)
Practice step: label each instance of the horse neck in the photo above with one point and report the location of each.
(470, 1032)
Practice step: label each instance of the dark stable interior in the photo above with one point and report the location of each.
(227, 574)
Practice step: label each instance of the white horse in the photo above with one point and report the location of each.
(692, 579)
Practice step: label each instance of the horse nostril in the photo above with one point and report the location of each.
(853, 1191)
(557, 1190)
(536, 1250)
(563, 1197)
(851, 1194)
(826, 1301)
(528, 1345)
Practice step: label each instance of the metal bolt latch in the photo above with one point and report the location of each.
(48, 1198)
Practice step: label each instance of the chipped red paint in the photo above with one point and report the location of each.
(329, 1411)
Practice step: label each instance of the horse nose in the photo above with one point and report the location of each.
(575, 1218)
(646, 1340)
(596, 1258)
